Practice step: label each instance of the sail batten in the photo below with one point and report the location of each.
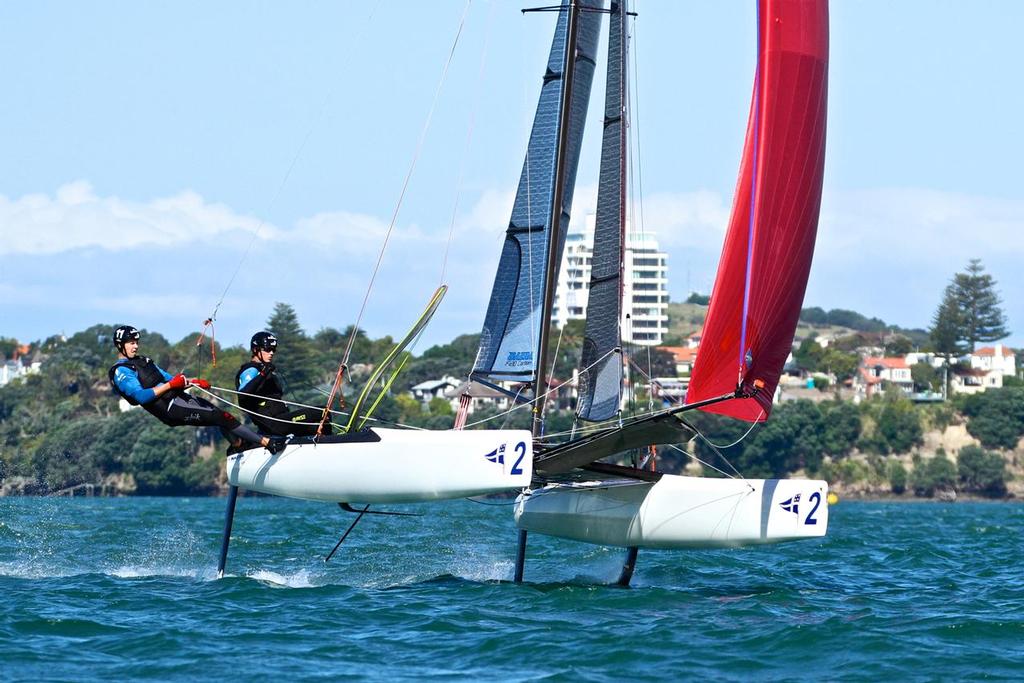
(766, 258)
(601, 364)
(510, 337)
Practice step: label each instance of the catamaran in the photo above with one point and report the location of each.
(576, 488)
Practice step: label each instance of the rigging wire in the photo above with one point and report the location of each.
(533, 400)
(353, 48)
(469, 138)
(339, 377)
(223, 400)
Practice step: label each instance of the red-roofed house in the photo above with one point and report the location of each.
(684, 356)
(873, 371)
(997, 361)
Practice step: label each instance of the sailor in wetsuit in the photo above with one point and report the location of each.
(142, 382)
(260, 391)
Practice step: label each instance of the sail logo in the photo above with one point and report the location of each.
(518, 359)
(791, 505)
(497, 455)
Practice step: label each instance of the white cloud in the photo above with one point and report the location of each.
(883, 252)
(76, 217)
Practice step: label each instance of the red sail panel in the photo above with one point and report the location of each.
(763, 271)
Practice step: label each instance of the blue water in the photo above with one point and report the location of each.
(116, 589)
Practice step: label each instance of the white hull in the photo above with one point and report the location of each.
(401, 466)
(678, 512)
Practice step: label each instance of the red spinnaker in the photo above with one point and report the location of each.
(762, 274)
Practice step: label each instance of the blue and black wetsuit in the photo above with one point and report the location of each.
(262, 390)
(135, 380)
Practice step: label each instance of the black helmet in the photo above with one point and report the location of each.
(123, 334)
(263, 341)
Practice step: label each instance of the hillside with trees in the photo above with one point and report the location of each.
(63, 428)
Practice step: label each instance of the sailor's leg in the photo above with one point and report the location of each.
(627, 567)
(192, 410)
(520, 556)
(229, 518)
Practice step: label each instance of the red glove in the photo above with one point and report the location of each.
(178, 382)
(198, 382)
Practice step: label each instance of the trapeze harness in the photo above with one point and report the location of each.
(262, 397)
(174, 408)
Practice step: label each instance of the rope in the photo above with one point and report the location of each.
(223, 400)
(469, 138)
(709, 465)
(338, 379)
(213, 344)
(534, 399)
(354, 45)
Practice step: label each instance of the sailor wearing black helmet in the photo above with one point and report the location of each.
(261, 389)
(142, 382)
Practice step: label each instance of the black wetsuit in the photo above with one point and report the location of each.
(261, 396)
(135, 378)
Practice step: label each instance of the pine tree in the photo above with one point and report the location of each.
(982, 319)
(295, 360)
(946, 326)
(969, 313)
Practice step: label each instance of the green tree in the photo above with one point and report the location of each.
(808, 354)
(899, 424)
(935, 474)
(982, 471)
(163, 463)
(897, 476)
(840, 363)
(926, 378)
(996, 416)
(898, 345)
(65, 455)
(295, 359)
(790, 440)
(439, 406)
(981, 317)
(945, 332)
(842, 427)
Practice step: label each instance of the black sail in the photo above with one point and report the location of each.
(510, 337)
(601, 366)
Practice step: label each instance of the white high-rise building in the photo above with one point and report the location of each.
(645, 285)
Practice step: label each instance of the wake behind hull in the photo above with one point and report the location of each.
(390, 466)
(678, 512)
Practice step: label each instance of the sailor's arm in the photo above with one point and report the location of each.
(128, 383)
(246, 377)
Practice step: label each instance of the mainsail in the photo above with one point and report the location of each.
(601, 374)
(510, 338)
(762, 274)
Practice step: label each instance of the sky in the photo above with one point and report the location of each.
(165, 161)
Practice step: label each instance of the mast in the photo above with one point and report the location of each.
(540, 383)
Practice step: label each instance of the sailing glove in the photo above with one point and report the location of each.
(178, 382)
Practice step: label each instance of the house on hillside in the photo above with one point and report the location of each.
(986, 368)
(969, 380)
(874, 371)
(433, 388)
(482, 396)
(927, 358)
(19, 366)
(998, 361)
(683, 357)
